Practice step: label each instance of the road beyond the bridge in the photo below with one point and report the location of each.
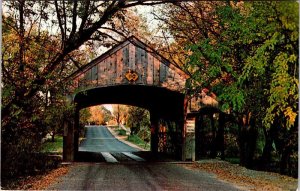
(140, 175)
(99, 139)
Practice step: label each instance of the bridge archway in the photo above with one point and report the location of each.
(163, 105)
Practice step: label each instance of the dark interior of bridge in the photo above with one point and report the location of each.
(162, 102)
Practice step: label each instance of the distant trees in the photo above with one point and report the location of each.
(120, 113)
(96, 117)
(107, 115)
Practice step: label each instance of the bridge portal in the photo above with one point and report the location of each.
(132, 73)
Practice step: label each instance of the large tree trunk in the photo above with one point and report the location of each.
(247, 140)
(290, 145)
(269, 139)
(214, 140)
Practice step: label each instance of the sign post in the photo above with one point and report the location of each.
(190, 139)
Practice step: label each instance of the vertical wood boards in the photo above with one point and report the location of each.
(111, 69)
(156, 64)
(119, 66)
(162, 73)
(125, 63)
(132, 59)
(144, 67)
(150, 69)
(113, 66)
(139, 55)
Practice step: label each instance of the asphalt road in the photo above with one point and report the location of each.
(138, 175)
(99, 139)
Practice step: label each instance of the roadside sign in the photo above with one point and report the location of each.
(190, 125)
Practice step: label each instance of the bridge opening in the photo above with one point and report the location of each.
(113, 133)
(164, 109)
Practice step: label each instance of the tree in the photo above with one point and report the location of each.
(138, 120)
(120, 113)
(44, 42)
(184, 23)
(245, 53)
(107, 115)
(254, 61)
(96, 117)
(85, 115)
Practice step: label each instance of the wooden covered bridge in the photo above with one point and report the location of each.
(132, 73)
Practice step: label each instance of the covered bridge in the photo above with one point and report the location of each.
(132, 73)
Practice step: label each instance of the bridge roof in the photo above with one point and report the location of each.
(135, 41)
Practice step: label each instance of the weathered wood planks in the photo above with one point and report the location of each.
(111, 68)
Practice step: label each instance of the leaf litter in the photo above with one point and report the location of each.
(244, 178)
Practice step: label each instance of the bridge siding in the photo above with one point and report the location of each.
(150, 69)
(156, 72)
(111, 70)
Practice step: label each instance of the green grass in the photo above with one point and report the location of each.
(121, 132)
(56, 146)
(138, 141)
(233, 160)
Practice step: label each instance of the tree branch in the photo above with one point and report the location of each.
(60, 25)
(74, 25)
(85, 15)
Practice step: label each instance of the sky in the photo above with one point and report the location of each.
(108, 107)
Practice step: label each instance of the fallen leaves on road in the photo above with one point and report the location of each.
(245, 178)
(41, 182)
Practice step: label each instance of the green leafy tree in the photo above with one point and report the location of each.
(138, 120)
(246, 53)
(254, 60)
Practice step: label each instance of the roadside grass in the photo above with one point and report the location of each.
(56, 146)
(138, 141)
(233, 160)
(121, 132)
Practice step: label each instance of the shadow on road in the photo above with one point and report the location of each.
(86, 156)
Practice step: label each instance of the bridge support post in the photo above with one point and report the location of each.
(76, 133)
(68, 142)
(154, 134)
(183, 124)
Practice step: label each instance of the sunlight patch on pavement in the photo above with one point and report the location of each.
(134, 157)
(108, 157)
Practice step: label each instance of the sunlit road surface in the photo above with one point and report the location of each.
(99, 139)
(100, 145)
